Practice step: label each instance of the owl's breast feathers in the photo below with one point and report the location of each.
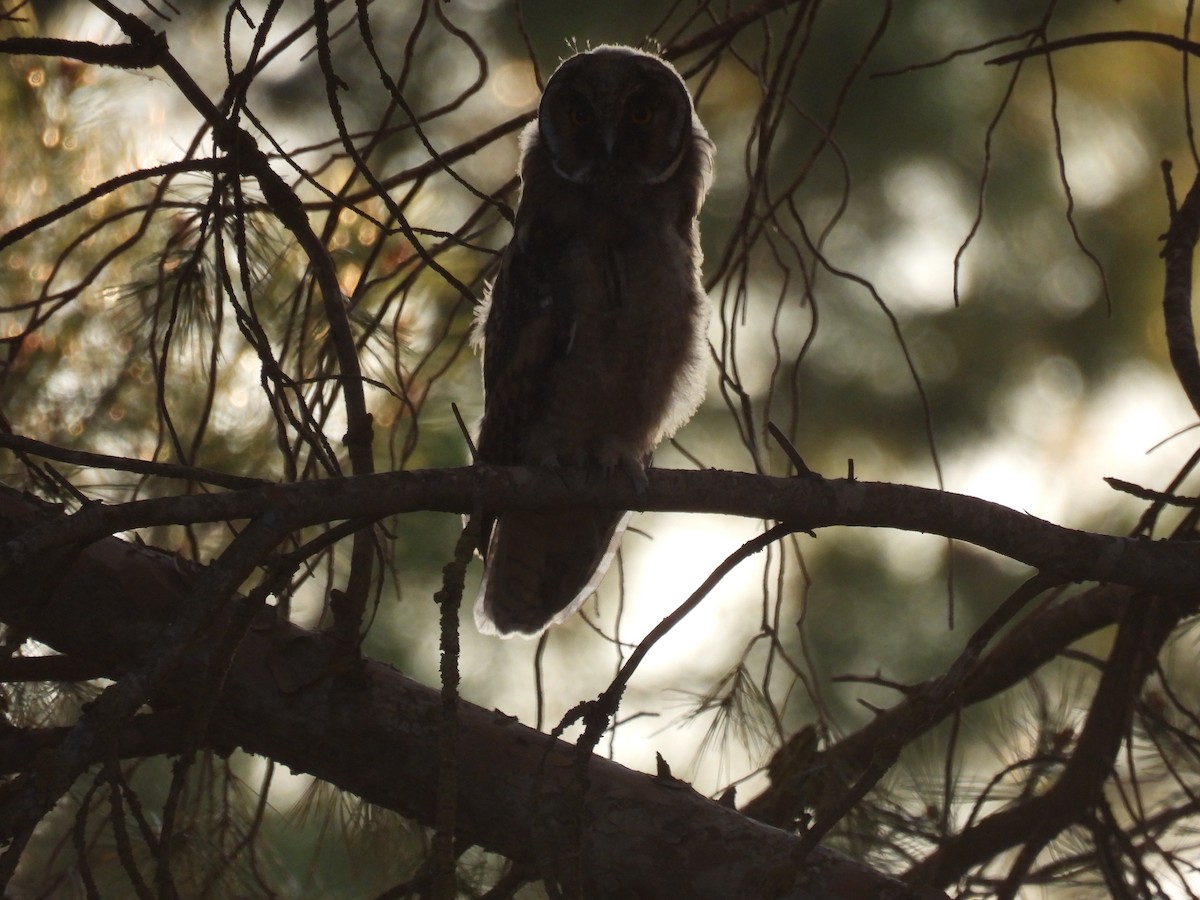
(594, 341)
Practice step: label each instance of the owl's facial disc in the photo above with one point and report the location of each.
(624, 119)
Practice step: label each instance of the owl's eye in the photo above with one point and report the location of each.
(580, 115)
(640, 114)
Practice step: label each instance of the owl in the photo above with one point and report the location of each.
(593, 336)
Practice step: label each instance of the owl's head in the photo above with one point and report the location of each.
(618, 115)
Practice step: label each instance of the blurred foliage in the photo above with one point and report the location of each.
(846, 195)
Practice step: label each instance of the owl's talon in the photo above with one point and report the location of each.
(636, 472)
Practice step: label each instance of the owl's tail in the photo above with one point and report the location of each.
(541, 566)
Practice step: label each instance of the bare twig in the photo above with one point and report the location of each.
(1178, 251)
(1100, 37)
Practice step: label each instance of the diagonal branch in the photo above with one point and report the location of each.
(799, 776)
(1033, 823)
(24, 230)
(376, 733)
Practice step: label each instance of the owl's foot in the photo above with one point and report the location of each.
(633, 466)
(609, 460)
(636, 472)
(559, 467)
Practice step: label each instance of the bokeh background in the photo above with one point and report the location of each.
(933, 269)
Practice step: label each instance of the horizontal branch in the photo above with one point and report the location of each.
(805, 504)
(375, 733)
(123, 56)
(150, 734)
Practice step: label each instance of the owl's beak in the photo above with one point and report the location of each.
(608, 133)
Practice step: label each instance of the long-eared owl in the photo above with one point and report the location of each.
(594, 334)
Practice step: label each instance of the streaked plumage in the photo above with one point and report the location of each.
(593, 336)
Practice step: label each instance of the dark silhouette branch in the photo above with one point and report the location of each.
(1018, 654)
(149, 734)
(806, 504)
(199, 631)
(134, 55)
(28, 446)
(24, 230)
(49, 668)
(1100, 37)
(1036, 821)
(1179, 249)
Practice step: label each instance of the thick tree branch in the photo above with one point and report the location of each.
(204, 623)
(151, 734)
(375, 732)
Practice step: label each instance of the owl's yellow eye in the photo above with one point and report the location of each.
(580, 115)
(640, 114)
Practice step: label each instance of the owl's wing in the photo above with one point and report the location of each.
(526, 332)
